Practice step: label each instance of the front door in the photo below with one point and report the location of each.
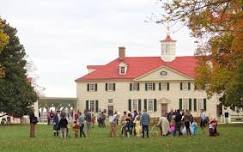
(110, 110)
(164, 108)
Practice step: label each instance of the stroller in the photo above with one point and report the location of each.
(212, 128)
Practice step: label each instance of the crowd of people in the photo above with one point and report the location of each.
(175, 123)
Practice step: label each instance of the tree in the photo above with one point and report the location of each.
(3, 42)
(234, 90)
(16, 93)
(218, 26)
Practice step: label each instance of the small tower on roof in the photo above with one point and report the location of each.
(168, 48)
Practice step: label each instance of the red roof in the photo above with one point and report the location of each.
(168, 39)
(138, 66)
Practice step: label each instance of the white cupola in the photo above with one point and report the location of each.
(168, 48)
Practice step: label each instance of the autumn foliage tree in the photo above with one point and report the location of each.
(218, 26)
(3, 42)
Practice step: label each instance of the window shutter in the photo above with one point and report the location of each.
(195, 86)
(181, 86)
(114, 87)
(189, 85)
(205, 104)
(168, 86)
(160, 86)
(190, 104)
(129, 105)
(88, 87)
(138, 86)
(153, 86)
(180, 104)
(139, 105)
(96, 87)
(130, 86)
(195, 104)
(145, 104)
(87, 104)
(155, 105)
(96, 106)
(146, 86)
(106, 86)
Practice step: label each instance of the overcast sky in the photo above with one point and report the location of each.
(61, 37)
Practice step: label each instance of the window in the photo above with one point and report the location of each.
(150, 104)
(185, 103)
(134, 86)
(92, 105)
(202, 103)
(163, 73)
(185, 86)
(92, 87)
(167, 47)
(135, 104)
(110, 101)
(164, 86)
(149, 86)
(110, 86)
(122, 70)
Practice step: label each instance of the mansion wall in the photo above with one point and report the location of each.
(155, 96)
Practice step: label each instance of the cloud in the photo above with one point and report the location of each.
(61, 37)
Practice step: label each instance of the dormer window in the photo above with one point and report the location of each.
(122, 68)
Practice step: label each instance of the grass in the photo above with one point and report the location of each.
(15, 139)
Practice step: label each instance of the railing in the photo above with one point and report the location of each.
(236, 118)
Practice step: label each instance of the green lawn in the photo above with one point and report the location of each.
(15, 139)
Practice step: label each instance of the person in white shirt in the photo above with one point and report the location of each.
(113, 124)
(203, 119)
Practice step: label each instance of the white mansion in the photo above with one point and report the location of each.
(157, 84)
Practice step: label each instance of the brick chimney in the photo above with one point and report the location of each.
(122, 53)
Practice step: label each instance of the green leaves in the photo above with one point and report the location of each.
(16, 93)
(234, 89)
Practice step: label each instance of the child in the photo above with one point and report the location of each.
(75, 129)
(93, 120)
(193, 127)
(172, 128)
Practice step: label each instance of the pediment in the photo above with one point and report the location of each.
(164, 100)
(163, 73)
